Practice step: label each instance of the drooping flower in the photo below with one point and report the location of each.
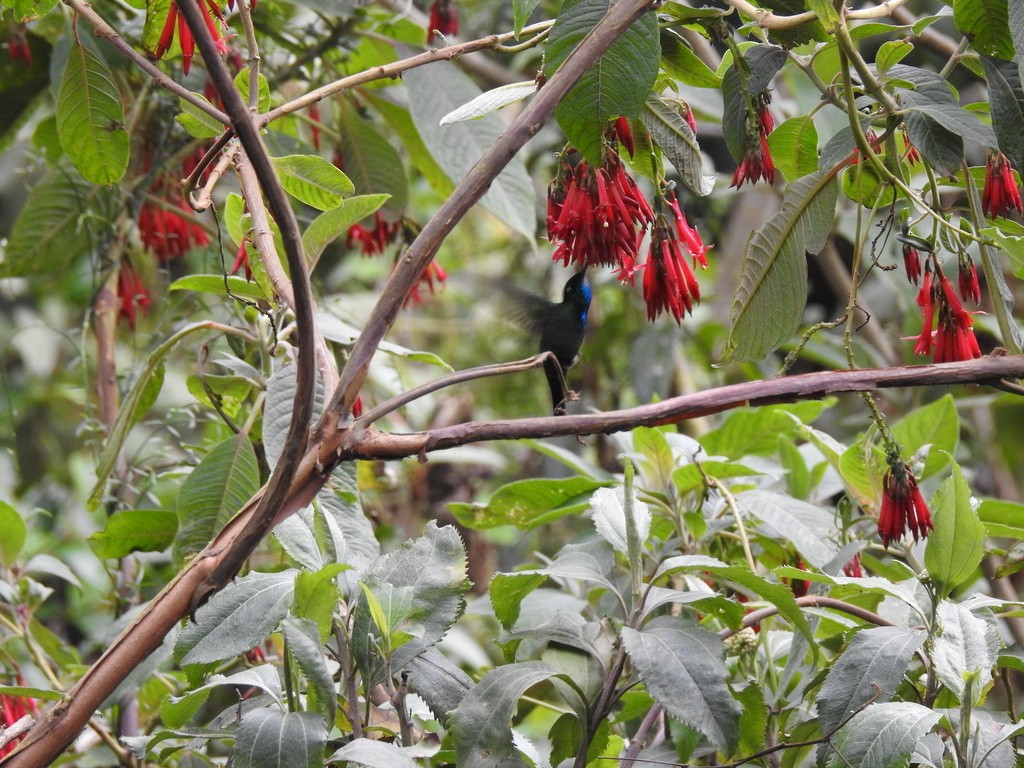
(669, 282)
(953, 338)
(433, 275)
(1000, 194)
(593, 215)
(444, 20)
(242, 261)
(167, 233)
(912, 262)
(624, 134)
(175, 20)
(12, 709)
(912, 156)
(853, 568)
(926, 301)
(967, 280)
(17, 45)
(375, 240)
(903, 508)
(687, 113)
(131, 293)
(757, 158)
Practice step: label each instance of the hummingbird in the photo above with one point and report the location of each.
(561, 327)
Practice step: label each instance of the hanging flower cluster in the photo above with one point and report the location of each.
(757, 158)
(376, 240)
(433, 275)
(903, 508)
(175, 20)
(669, 282)
(17, 45)
(444, 20)
(853, 568)
(948, 333)
(593, 215)
(1000, 195)
(132, 295)
(168, 234)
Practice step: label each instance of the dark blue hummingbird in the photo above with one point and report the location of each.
(561, 327)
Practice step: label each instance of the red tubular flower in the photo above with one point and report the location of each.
(903, 507)
(926, 301)
(242, 262)
(17, 45)
(168, 234)
(132, 294)
(687, 114)
(12, 709)
(912, 156)
(1000, 194)
(853, 568)
(756, 163)
(953, 338)
(433, 275)
(373, 241)
(593, 215)
(967, 281)
(624, 134)
(185, 40)
(912, 262)
(444, 20)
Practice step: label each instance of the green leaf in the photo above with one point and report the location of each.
(986, 24)
(507, 592)
(176, 711)
(755, 431)
(1006, 101)
(90, 118)
(29, 10)
(1011, 246)
(772, 291)
(433, 568)
(521, 10)
(870, 668)
(490, 101)
(753, 723)
(199, 124)
(863, 184)
(529, 503)
(689, 477)
(313, 181)
(369, 160)
(939, 146)
(616, 85)
(683, 668)
(937, 426)
(214, 492)
(794, 147)
(135, 530)
(52, 230)
(807, 526)
(330, 225)
(762, 63)
(12, 534)
(964, 647)
(434, 91)
(682, 64)
(237, 618)
(826, 13)
(242, 81)
(672, 133)
(373, 754)
(270, 738)
(304, 644)
(881, 736)
(277, 413)
(482, 722)
(157, 12)
(218, 285)
(957, 545)
(890, 53)
(316, 596)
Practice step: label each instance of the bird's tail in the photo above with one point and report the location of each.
(556, 383)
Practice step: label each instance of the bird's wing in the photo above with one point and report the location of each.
(525, 309)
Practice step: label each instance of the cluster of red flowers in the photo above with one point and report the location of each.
(375, 240)
(903, 507)
(12, 709)
(433, 275)
(853, 568)
(757, 159)
(166, 233)
(131, 293)
(17, 45)
(669, 282)
(593, 215)
(1001, 194)
(175, 20)
(953, 336)
(444, 21)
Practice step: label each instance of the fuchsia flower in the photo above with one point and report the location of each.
(433, 275)
(757, 158)
(185, 40)
(242, 261)
(12, 709)
(375, 240)
(853, 568)
(967, 280)
(17, 45)
(954, 337)
(168, 234)
(903, 507)
(1000, 194)
(444, 21)
(131, 293)
(912, 262)
(669, 282)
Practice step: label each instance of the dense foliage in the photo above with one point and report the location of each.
(238, 526)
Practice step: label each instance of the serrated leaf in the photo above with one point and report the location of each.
(676, 139)
(609, 513)
(957, 544)
(277, 413)
(373, 754)
(936, 425)
(507, 592)
(528, 503)
(986, 24)
(436, 89)
(12, 534)
(90, 118)
(237, 618)
(270, 738)
(881, 736)
(369, 160)
(330, 225)
(214, 492)
(134, 530)
(1006, 101)
(616, 85)
(313, 181)
(805, 525)
(965, 647)
(683, 668)
(794, 147)
(176, 711)
(439, 682)
(482, 723)
(316, 596)
(491, 101)
(772, 291)
(870, 668)
(51, 231)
